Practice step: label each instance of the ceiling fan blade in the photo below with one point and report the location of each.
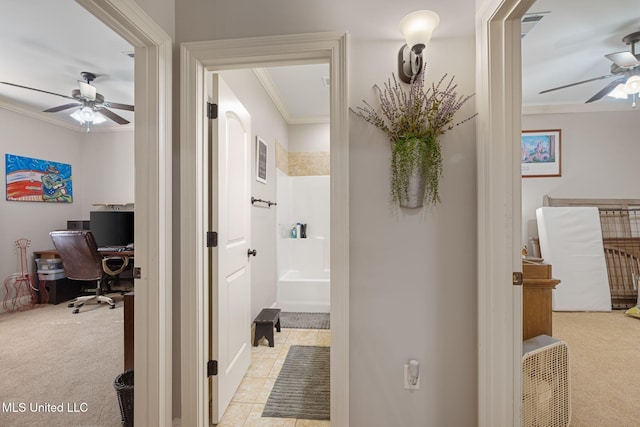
(624, 59)
(87, 91)
(37, 90)
(113, 116)
(608, 88)
(62, 107)
(576, 83)
(118, 106)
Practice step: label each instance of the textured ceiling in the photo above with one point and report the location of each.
(47, 44)
(568, 45)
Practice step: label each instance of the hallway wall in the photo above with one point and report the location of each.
(416, 267)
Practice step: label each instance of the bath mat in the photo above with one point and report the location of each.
(304, 320)
(302, 388)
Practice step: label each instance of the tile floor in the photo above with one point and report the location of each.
(245, 409)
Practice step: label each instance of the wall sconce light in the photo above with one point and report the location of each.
(416, 28)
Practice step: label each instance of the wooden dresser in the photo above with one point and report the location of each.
(537, 284)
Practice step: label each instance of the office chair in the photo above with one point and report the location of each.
(82, 261)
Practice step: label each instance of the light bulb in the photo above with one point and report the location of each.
(632, 85)
(417, 27)
(87, 114)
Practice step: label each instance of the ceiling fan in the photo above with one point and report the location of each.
(89, 101)
(626, 67)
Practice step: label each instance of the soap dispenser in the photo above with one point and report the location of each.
(294, 232)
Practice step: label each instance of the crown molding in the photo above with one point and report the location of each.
(273, 92)
(577, 108)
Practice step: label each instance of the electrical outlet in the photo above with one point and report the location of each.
(407, 384)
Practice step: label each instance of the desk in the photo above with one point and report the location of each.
(52, 253)
(65, 289)
(129, 300)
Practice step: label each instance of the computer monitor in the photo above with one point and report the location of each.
(112, 228)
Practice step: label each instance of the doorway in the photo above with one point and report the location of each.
(197, 59)
(153, 183)
(499, 211)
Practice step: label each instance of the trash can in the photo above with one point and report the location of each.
(124, 389)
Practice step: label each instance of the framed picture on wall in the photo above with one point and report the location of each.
(261, 160)
(540, 153)
(37, 180)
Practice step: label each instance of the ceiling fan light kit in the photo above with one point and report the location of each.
(92, 105)
(86, 115)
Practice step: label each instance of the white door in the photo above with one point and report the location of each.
(230, 275)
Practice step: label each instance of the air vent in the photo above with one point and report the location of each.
(529, 20)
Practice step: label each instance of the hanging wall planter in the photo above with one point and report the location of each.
(416, 167)
(414, 119)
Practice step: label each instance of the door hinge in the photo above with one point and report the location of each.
(212, 110)
(137, 272)
(212, 368)
(212, 239)
(517, 278)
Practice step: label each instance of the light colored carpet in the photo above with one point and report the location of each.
(302, 387)
(51, 357)
(295, 320)
(604, 355)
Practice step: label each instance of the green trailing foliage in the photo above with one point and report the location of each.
(414, 119)
(411, 154)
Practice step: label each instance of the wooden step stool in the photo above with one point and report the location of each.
(265, 321)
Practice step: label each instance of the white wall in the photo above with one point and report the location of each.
(28, 137)
(162, 12)
(599, 153)
(96, 160)
(309, 137)
(108, 158)
(418, 268)
(267, 123)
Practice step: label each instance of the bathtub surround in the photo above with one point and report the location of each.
(304, 197)
(309, 164)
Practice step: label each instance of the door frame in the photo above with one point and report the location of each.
(196, 59)
(499, 104)
(153, 199)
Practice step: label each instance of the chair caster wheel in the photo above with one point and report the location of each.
(76, 311)
(70, 305)
(112, 307)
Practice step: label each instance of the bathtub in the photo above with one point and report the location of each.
(304, 292)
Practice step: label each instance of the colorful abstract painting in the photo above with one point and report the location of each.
(35, 180)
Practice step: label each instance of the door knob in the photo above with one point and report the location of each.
(251, 252)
